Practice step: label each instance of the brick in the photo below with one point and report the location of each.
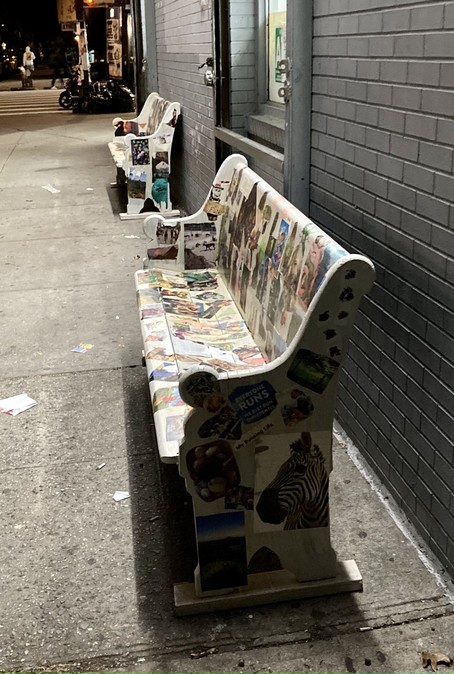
(388, 213)
(408, 98)
(430, 259)
(438, 390)
(368, 69)
(358, 46)
(432, 208)
(402, 491)
(381, 46)
(444, 187)
(417, 227)
(440, 158)
(370, 23)
(367, 114)
(449, 18)
(437, 339)
(325, 26)
(437, 101)
(438, 45)
(399, 242)
(419, 177)
(335, 127)
(444, 469)
(414, 322)
(431, 524)
(445, 422)
(346, 68)
(366, 158)
(442, 239)
(420, 444)
(356, 90)
(407, 148)
(445, 131)
(420, 72)
(447, 75)
(363, 200)
(389, 166)
(355, 133)
(394, 71)
(337, 46)
(431, 479)
(427, 18)
(378, 140)
(396, 20)
(346, 110)
(419, 396)
(439, 440)
(414, 481)
(399, 194)
(319, 123)
(345, 151)
(409, 46)
(379, 93)
(335, 167)
(442, 293)
(354, 175)
(343, 191)
(348, 24)
(421, 126)
(376, 185)
(393, 120)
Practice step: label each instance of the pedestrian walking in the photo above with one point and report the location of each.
(28, 59)
(57, 62)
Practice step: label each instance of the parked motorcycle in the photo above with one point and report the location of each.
(101, 96)
(71, 90)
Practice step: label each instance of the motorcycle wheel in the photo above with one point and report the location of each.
(65, 100)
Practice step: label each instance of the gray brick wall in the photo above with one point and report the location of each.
(184, 40)
(243, 59)
(382, 182)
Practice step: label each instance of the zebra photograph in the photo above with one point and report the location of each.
(298, 495)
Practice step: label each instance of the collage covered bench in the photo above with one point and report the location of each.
(141, 149)
(246, 309)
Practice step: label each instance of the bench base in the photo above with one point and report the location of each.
(268, 588)
(142, 216)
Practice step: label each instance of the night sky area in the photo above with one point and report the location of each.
(25, 22)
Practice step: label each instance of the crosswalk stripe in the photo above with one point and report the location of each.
(29, 102)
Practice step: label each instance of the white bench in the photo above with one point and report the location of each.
(141, 149)
(244, 343)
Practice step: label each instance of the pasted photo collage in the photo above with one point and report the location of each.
(273, 258)
(188, 318)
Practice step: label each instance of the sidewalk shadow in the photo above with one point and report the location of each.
(161, 509)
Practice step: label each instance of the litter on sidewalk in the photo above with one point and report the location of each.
(120, 495)
(50, 188)
(17, 404)
(82, 348)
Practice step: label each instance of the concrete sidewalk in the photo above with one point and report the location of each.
(86, 583)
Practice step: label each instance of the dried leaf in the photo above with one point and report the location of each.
(434, 659)
(203, 654)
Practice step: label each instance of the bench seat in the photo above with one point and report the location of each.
(187, 319)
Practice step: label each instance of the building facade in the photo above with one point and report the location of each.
(360, 134)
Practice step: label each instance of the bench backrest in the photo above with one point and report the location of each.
(274, 259)
(156, 112)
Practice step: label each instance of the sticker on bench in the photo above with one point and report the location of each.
(225, 424)
(297, 495)
(166, 397)
(299, 407)
(137, 183)
(213, 469)
(140, 151)
(312, 370)
(254, 402)
(221, 548)
(200, 245)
